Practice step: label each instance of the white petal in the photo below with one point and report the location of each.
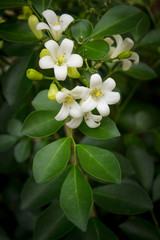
(109, 84)
(90, 121)
(60, 72)
(127, 44)
(50, 17)
(65, 20)
(46, 62)
(89, 104)
(111, 51)
(42, 25)
(74, 123)
(119, 42)
(95, 81)
(63, 113)
(103, 108)
(112, 97)
(96, 118)
(75, 110)
(56, 28)
(134, 57)
(109, 40)
(65, 48)
(80, 92)
(52, 47)
(60, 96)
(126, 64)
(75, 60)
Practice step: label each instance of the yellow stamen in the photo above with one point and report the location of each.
(60, 60)
(98, 94)
(70, 100)
(56, 24)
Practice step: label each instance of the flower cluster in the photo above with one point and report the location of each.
(79, 102)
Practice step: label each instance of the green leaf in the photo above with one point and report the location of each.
(52, 224)
(81, 29)
(124, 198)
(76, 198)
(106, 130)
(141, 71)
(16, 32)
(22, 150)
(41, 123)
(139, 229)
(11, 3)
(151, 39)
(155, 189)
(51, 160)
(6, 142)
(117, 20)
(36, 195)
(42, 102)
(157, 140)
(95, 50)
(15, 83)
(142, 164)
(14, 127)
(96, 230)
(99, 163)
(41, 5)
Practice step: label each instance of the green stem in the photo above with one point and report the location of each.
(115, 69)
(54, 80)
(155, 220)
(34, 10)
(74, 148)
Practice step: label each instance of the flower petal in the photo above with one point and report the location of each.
(80, 92)
(88, 105)
(46, 62)
(127, 44)
(60, 96)
(57, 28)
(60, 72)
(134, 57)
(112, 97)
(95, 81)
(126, 64)
(109, 84)
(74, 123)
(103, 108)
(75, 60)
(65, 20)
(96, 118)
(42, 25)
(119, 42)
(109, 40)
(65, 48)
(50, 17)
(90, 121)
(75, 110)
(63, 113)
(52, 47)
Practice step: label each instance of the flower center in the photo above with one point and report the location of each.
(96, 93)
(60, 60)
(56, 24)
(69, 100)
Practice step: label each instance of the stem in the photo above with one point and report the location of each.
(54, 80)
(34, 10)
(113, 71)
(155, 220)
(74, 148)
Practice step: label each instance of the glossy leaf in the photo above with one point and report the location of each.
(96, 230)
(76, 198)
(141, 71)
(41, 123)
(117, 20)
(41, 5)
(95, 50)
(151, 39)
(155, 189)
(51, 160)
(11, 3)
(124, 198)
(22, 150)
(14, 127)
(52, 224)
(36, 195)
(42, 102)
(15, 83)
(142, 164)
(99, 163)
(139, 229)
(6, 142)
(81, 29)
(106, 130)
(16, 32)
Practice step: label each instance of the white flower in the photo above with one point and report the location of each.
(56, 25)
(100, 95)
(60, 58)
(70, 107)
(122, 46)
(93, 121)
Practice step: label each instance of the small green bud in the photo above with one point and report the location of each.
(124, 55)
(26, 13)
(72, 72)
(44, 52)
(32, 22)
(32, 74)
(52, 92)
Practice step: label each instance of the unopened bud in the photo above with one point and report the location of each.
(53, 90)
(124, 55)
(32, 22)
(32, 74)
(72, 72)
(26, 13)
(44, 53)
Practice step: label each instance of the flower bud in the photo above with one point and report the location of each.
(72, 72)
(52, 92)
(32, 22)
(44, 52)
(32, 74)
(124, 55)
(26, 13)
